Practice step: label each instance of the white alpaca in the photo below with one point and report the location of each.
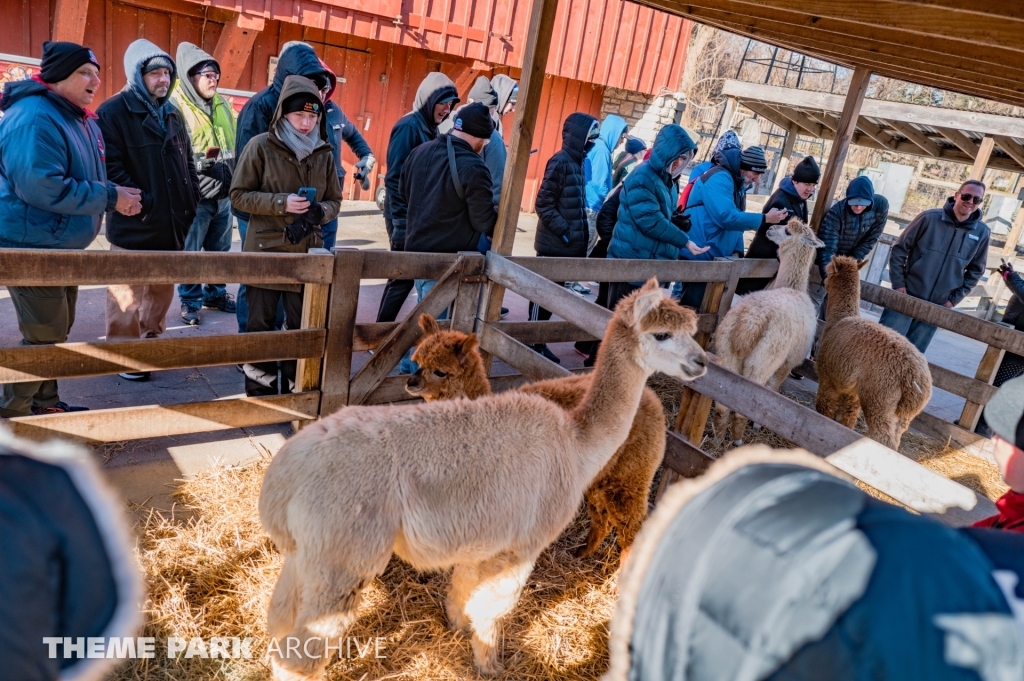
(484, 485)
(767, 333)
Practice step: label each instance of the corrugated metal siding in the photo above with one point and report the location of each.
(609, 42)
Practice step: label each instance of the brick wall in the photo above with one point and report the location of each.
(644, 113)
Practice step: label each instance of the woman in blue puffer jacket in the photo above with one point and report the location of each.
(649, 227)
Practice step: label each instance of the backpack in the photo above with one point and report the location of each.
(684, 195)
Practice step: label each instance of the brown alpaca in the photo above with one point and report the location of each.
(864, 365)
(451, 367)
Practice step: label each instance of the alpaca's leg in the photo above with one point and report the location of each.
(721, 421)
(632, 512)
(284, 603)
(330, 595)
(501, 582)
(825, 402)
(464, 580)
(882, 423)
(775, 382)
(847, 409)
(600, 522)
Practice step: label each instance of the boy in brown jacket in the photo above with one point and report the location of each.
(293, 154)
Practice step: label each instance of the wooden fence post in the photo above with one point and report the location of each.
(341, 321)
(467, 300)
(314, 316)
(987, 369)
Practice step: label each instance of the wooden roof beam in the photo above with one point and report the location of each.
(769, 113)
(828, 121)
(917, 137)
(813, 128)
(959, 140)
(876, 133)
(1012, 149)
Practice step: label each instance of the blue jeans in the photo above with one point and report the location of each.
(423, 287)
(330, 232)
(917, 332)
(241, 304)
(211, 232)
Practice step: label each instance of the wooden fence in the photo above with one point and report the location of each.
(329, 335)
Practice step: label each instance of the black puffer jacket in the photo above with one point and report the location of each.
(562, 229)
(846, 233)
(297, 59)
(764, 248)
(1015, 308)
(411, 130)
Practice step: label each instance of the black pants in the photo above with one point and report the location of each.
(261, 377)
(395, 291)
(589, 348)
(693, 294)
(538, 313)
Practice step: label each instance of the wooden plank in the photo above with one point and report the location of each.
(133, 423)
(876, 133)
(989, 333)
(813, 128)
(841, 145)
(1012, 149)
(531, 84)
(614, 270)
(74, 360)
(918, 137)
(769, 114)
(234, 47)
(341, 320)
(406, 265)
(931, 116)
(1010, 247)
(692, 420)
(982, 159)
(728, 292)
(47, 267)
(521, 358)
(787, 150)
(965, 441)
(314, 315)
(727, 115)
(69, 18)
(683, 458)
(986, 373)
(392, 389)
(467, 300)
(711, 304)
(404, 336)
(962, 141)
(884, 469)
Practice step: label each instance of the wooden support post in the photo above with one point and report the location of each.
(341, 320)
(787, 151)
(1010, 247)
(234, 46)
(538, 43)
(727, 115)
(987, 369)
(314, 316)
(69, 20)
(981, 160)
(841, 144)
(467, 300)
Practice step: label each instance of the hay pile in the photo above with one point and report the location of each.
(210, 571)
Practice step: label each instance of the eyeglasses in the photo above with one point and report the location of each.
(970, 198)
(212, 75)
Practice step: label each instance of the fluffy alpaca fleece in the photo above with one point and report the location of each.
(767, 333)
(482, 485)
(451, 367)
(864, 365)
(676, 498)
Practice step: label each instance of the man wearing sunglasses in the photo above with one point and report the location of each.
(939, 257)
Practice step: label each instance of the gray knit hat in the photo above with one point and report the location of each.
(753, 158)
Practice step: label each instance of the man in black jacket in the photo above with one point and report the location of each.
(1012, 365)
(939, 257)
(435, 98)
(562, 228)
(148, 147)
(791, 196)
(296, 59)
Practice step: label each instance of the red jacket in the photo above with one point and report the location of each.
(1011, 513)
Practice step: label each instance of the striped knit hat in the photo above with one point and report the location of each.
(753, 158)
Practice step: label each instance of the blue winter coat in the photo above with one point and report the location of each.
(649, 195)
(53, 181)
(716, 212)
(597, 168)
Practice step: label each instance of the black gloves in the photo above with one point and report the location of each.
(681, 220)
(304, 224)
(1006, 269)
(315, 214)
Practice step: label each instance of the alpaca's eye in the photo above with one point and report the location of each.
(440, 374)
(662, 337)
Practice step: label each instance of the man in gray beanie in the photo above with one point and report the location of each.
(148, 147)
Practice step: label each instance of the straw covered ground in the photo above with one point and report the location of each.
(210, 570)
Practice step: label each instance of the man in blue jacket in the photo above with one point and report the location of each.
(598, 169)
(53, 193)
(716, 208)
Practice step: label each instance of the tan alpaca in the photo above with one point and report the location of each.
(451, 367)
(767, 333)
(483, 485)
(864, 365)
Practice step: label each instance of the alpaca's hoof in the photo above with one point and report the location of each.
(281, 673)
(490, 667)
(756, 427)
(737, 443)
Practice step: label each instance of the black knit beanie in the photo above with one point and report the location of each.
(475, 119)
(61, 59)
(752, 158)
(807, 171)
(302, 101)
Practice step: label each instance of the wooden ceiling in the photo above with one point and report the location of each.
(945, 134)
(973, 48)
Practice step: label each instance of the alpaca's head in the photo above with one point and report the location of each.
(450, 364)
(842, 275)
(661, 331)
(793, 235)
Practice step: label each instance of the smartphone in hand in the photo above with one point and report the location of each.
(308, 193)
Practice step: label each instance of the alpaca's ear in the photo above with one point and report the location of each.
(429, 325)
(812, 241)
(647, 301)
(464, 349)
(862, 264)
